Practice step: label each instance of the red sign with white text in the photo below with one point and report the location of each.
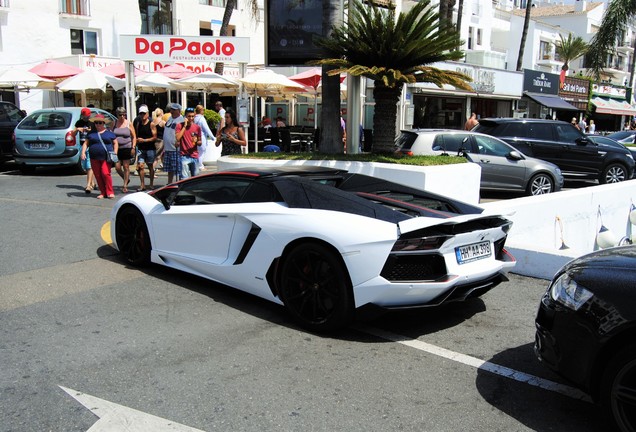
(185, 48)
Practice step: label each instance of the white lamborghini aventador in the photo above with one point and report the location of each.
(323, 242)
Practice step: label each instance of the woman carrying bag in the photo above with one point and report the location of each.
(99, 144)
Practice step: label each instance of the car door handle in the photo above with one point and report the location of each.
(484, 160)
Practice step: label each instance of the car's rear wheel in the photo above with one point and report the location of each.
(540, 184)
(613, 173)
(132, 236)
(315, 288)
(618, 389)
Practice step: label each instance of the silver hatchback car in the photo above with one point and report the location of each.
(502, 166)
(43, 138)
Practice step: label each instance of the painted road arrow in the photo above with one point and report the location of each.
(115, 418)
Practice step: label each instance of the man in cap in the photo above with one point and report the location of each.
(171, 159)
(146, 133)
(83, 127)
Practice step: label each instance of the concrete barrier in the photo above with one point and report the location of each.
(458, 181)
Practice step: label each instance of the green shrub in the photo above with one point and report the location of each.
(363, 157)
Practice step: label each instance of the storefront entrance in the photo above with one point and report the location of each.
(438, 112)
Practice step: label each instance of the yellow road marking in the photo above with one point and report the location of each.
(105, 233)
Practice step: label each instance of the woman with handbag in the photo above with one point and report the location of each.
(102, 147)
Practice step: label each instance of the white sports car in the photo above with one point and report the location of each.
(323, 242)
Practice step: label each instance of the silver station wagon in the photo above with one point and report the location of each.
(43, 138)
(502, 166)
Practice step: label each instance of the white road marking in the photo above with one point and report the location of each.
(480, 364)
(115, 418)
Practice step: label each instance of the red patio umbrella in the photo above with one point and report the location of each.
(53, 69)
(119, 70)
(311, 79)
(175, 71)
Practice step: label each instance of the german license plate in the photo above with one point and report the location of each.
(39, 146)
(472, 252)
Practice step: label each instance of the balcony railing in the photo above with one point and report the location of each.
(75, 7)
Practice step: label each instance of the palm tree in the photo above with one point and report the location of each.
(570, 49)
(619, 13)
(372, 43)
(524, 35)
(225, 23)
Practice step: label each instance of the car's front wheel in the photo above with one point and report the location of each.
(132, 236)
(618, 389)
(315, 288)
(613, 173)
(540, 184)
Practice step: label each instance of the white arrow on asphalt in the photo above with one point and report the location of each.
(116, 418)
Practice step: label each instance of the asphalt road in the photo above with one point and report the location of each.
(132, 347)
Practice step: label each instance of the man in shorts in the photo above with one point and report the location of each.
(146, 136)
(171, 159)
(82, 128)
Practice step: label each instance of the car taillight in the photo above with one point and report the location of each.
(69, 139)
(419, 243)
(13, 139)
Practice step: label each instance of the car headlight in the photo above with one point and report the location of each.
(566, 291)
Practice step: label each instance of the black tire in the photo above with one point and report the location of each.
(132, 236)
(27, 169)
(618, 389)
(540, 184)
(613, 173)
(315, 288)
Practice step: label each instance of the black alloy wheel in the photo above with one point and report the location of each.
(315, 288)
(132, 236)
(613, 173)
(540, 184)
(618, 389)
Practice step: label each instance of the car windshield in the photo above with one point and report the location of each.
(55, 120)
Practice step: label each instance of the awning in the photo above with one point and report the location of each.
(551, 101)
(614, 107)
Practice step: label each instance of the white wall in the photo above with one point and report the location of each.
(535, 237)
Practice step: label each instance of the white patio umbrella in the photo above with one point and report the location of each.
(155, 83)
(207, 82)
(20, 79)
(90, 79)
(266, 82)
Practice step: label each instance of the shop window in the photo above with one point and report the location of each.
(83, 42)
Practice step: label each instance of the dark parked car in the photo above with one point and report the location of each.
(623, 137)
(608, 140)
(10, 116)
(502, 166)
(586, 329)
(564, 145)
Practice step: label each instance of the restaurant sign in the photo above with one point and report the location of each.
(540, 82)
(185, 48)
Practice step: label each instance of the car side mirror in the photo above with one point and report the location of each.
(582, 141)
(514, 155)
(167, 195)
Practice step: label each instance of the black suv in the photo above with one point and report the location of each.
(10, 116)
(564, 145)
